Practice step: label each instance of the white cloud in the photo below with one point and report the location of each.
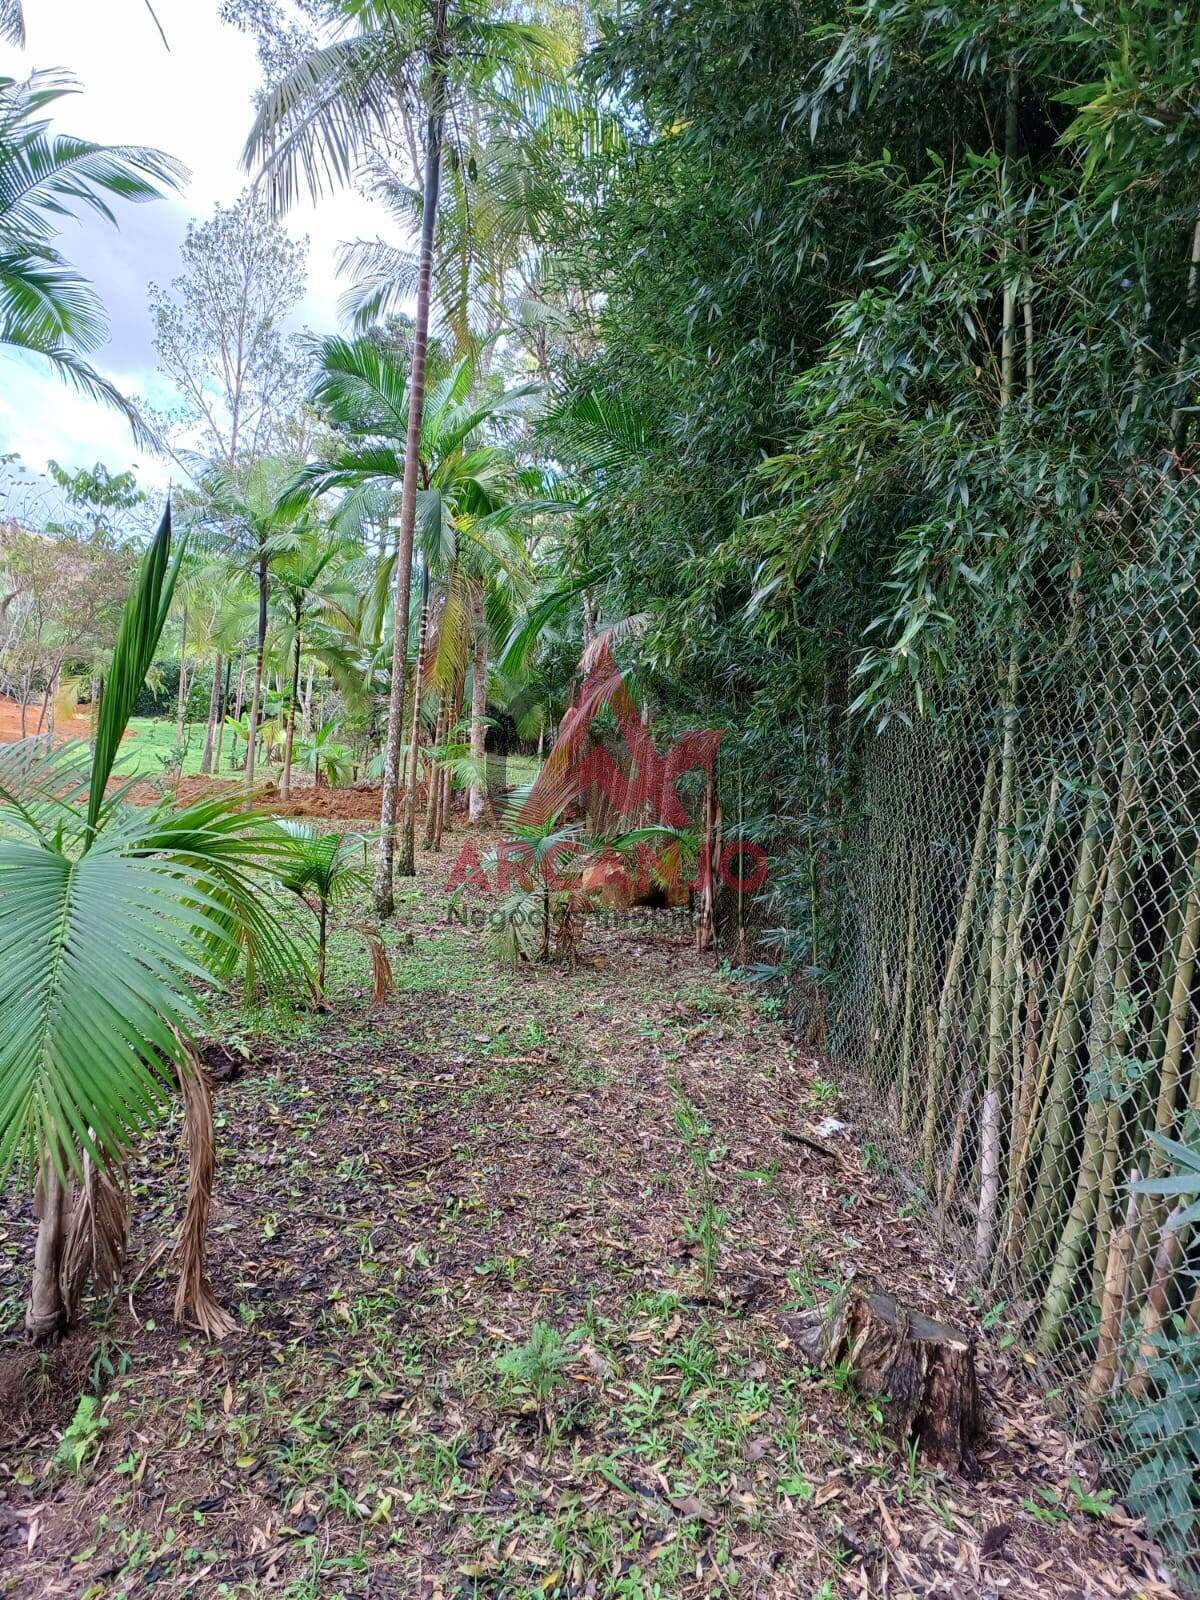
(195, 101)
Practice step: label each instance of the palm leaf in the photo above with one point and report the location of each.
(141, 627)
(95, 958)
(12, 22)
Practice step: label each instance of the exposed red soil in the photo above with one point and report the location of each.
(357, 803)
(76, 727)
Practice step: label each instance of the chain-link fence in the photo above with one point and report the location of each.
(1017, 980)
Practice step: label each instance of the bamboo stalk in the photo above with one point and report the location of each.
(1105, 978)
(1022, 1106)
(1178, 1019)
(970, 1085)
(1050, 1117)
(1118, 1051)
(1008, 330)
(966, 915)
(1179, 412)
(1112, 1309)
(999, 982)
(906, 1027)
(1158, 1300)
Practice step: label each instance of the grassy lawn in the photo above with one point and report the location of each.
(149, 748)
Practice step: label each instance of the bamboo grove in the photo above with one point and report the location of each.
(889, 426)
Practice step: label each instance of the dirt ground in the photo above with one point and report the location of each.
(409, 1201)
(78, 727)
(357, 803)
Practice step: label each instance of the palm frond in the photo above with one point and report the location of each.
(12, 22)
(601, 434)
(547, 610)
(73, 369)
(313, 128)
(141, 628)
(383, 277)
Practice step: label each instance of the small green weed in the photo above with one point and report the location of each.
(81, 1440)
(709, 1224)
(536, 1367)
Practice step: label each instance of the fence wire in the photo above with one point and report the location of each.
(1019, 989)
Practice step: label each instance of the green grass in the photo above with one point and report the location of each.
(521, 769)
(149, 749)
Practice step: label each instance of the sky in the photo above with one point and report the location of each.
(195, 102)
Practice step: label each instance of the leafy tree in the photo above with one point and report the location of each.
(60, 601)
(105, 507)
(218, 334)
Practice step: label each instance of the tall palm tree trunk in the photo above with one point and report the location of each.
(407, 864)
(434, 804)
(259, 653)
(285, 786)
(221, 710)
(385, 902)
(479, 666)
(214, 715)
(181, 698)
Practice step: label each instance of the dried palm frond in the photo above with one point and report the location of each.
(97, 1232)
(194, 1295)
(382, 980)
(567, 931)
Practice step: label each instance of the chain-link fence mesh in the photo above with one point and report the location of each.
(1018, 982)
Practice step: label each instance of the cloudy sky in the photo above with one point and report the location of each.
(195, 102)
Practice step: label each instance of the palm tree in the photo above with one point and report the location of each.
(246, 509)
(397, 65)
(309, 586)
(324, 866)
(108, 913)
(467, 491)
(500, 205)
(326, 755)
(46, 307)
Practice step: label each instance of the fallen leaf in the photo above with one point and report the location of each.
(994, 1540)
(689, 1506)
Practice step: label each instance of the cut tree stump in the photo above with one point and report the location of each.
(924, 1371)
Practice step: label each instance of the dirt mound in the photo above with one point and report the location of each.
(354, 803)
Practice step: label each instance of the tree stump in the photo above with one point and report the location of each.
(923, 1370)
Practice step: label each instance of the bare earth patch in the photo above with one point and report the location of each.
(403, 1197)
